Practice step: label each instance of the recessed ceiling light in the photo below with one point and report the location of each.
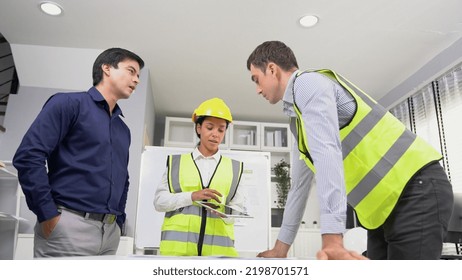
(51, 8)
(309, 21)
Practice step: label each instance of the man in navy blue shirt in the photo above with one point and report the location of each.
(72, 162)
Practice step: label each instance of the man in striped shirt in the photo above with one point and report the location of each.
(359, 154)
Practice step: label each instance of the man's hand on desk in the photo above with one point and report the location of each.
(279, 250)
(332, 249)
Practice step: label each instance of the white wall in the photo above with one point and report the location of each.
(38, 68)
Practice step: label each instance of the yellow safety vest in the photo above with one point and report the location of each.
(380, 155)
(192, 230)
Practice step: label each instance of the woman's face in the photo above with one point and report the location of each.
(211, 132)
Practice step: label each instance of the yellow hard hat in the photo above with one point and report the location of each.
(214, 107)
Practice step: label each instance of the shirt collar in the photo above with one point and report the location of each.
(198, 155)
(99, 98)
(288, 98)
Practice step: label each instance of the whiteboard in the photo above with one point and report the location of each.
(251, 235)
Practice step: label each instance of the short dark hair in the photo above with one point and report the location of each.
(200, 120)
(112, 57)
(272, 51)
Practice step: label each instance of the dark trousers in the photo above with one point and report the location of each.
(416, 228)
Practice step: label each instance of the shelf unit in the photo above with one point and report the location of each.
(245, 136)
(275, 137)
(9, 210)
(242, 135)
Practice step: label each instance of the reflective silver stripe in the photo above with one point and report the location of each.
(188, 210)
(366, 124)
(356, 90)
(361, 130)
(212, 240)
(381, 169)
(341, 79)
(237, 171)
(175, 173)
(180, 236)
(218, 240)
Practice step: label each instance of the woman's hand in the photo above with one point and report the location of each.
(206, 194)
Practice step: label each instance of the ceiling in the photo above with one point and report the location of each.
(197, 49)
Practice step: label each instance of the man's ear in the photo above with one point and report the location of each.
(106, 68)
(272, 68)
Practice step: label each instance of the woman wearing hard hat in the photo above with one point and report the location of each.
(203, 175)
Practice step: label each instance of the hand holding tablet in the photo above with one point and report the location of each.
(229, 211)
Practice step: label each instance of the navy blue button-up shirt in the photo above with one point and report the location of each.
(86, 150)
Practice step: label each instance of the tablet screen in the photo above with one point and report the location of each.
(229, 211)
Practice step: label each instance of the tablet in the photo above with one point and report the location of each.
(235, 213)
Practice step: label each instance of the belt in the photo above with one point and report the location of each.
(100, 217)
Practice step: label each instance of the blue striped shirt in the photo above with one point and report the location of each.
(325, 107)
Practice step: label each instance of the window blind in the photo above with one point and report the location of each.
(402, 113)
(425, 118)
(450, 94)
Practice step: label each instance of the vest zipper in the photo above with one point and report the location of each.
(202, 232)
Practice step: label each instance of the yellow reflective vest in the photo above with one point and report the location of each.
(192, 230)
(379, 155)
